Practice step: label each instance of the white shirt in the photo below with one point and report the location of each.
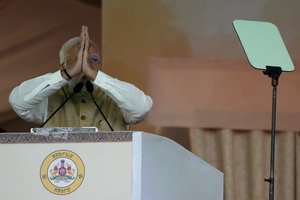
(30, 99)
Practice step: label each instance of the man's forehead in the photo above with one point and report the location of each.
(94, 47)
(73, 50)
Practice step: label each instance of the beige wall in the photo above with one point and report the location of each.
(185, 54)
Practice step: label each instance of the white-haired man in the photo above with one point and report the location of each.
(121, 103)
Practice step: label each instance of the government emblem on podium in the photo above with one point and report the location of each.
(62, 172)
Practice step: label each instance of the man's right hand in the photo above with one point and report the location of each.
(76, 68)
(89, 66)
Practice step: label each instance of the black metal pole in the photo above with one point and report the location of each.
(274, 73)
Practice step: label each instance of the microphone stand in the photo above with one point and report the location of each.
(90, 89)
(45, 122)
(76, 89)
(274, 73)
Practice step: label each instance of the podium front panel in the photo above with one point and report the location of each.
(103, 165)
(93, 166)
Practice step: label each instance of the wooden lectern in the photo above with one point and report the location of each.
(103, 165)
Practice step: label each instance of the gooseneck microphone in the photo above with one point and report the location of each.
(77, 89)
(90, 88)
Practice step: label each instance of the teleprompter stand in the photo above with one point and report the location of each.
(273, 73)
(266, 51)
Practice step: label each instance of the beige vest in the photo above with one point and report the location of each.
(80, 110)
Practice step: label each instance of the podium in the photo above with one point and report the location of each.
(103, 165)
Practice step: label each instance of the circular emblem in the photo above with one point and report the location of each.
(62, 172)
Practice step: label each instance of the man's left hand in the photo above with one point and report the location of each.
(89, 63)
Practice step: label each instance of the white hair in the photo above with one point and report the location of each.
(68, 45)
(65, 47)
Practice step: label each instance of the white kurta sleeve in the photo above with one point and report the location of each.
(30, 99)
(133, 102)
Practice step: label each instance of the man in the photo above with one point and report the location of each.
(121, 103)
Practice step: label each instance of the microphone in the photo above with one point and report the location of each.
(90, 88)
(77, 89)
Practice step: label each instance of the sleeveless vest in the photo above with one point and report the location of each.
(80, 110)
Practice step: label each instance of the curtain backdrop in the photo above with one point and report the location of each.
(244, 158)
